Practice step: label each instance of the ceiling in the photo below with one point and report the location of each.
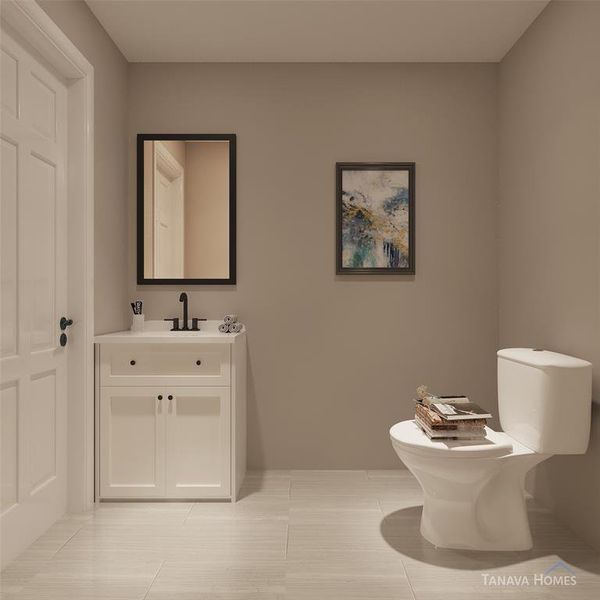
(315, 30)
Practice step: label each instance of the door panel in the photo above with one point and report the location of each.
(169, 214)
(9, 88)
(40, 106)
(41, 256)
(198, 442)
(164, 243)
(132, 442)
(8, 258)
(34, 286)
(9, 407)
(41, 431)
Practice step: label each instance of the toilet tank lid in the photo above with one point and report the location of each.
(542, 358)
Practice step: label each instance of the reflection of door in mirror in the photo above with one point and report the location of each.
(168, 241)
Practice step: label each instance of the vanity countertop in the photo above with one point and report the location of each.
(158, 332)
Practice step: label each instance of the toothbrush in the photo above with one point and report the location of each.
(137, 307)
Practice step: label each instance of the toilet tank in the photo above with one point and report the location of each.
(545, 399)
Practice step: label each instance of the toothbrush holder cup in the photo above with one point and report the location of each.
(137, 324)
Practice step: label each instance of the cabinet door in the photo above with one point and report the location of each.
(132, 442)
(198, 442)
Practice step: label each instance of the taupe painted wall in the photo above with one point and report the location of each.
(334, 360)
(549, 262)
(110, 159)
(207, 210)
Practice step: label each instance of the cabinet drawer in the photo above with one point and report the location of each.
(168, 364)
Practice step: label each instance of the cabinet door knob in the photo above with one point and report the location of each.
(170, 397)
(132, 362)
(198, 362)
(160, 396)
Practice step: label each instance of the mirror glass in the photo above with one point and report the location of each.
(186, 209)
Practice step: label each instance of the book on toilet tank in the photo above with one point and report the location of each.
(463, 411)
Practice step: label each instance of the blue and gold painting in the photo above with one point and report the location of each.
(375, 219)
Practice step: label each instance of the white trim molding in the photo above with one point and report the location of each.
(34, 27)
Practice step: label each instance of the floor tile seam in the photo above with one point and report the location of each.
(410, 585)
(64, 544)
(162, 562)
(189, 512)
(287, 541)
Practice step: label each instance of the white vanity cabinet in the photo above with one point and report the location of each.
(171, 415)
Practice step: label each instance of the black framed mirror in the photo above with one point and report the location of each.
(186, 197)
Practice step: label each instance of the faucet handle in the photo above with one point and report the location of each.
(175, 321)
(195, 326)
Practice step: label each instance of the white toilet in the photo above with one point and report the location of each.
(474, 494)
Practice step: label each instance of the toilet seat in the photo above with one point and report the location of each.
(411, 438)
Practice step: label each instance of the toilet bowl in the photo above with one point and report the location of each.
(474, 496)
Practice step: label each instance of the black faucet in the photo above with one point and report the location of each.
(183, 297)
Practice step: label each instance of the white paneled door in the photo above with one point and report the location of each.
(169, 214)
(33, 297)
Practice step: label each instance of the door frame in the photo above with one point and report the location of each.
(34, 27)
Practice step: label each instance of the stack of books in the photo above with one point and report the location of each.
(454, 418)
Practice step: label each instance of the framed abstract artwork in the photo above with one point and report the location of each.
(375, 218)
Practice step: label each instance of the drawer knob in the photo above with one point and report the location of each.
(170, 397)
(198, 362)
(160, 396)
(132, 362)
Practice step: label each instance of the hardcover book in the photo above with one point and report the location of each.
(460, 410)
(436, 421)
(438, 434)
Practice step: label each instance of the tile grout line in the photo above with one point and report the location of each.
(287, 540)
(189, 512)
(48, 560)
(412, 591)
(66, 542)
(162, 562)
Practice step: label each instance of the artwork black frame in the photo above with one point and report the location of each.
(228, 137)
(410, 167)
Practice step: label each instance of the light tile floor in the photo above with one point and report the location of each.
(319, 535)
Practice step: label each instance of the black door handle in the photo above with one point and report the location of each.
(64, 323)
